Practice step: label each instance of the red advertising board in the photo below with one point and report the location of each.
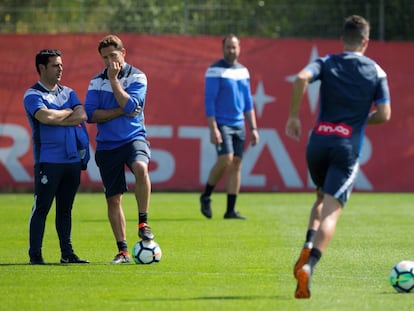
(177, 128)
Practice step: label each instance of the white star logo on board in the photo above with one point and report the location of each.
(261, 99)
(313, 88)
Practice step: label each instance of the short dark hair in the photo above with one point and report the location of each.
(229, 36)
(110, 40)
(356, 29)
(42, 58)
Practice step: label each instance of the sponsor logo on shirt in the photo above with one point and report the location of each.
(328, 128)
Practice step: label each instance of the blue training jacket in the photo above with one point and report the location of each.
(227, 93)
(123, 129)
(52, 143)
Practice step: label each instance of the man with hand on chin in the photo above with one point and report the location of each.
(115, 101)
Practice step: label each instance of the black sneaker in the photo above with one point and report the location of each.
(73, 259)
(205, 206)
(37, 260)
(144, 232)
(234, 215)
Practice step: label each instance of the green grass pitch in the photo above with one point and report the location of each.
(211, 264)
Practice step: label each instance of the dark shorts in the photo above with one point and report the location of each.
(333, 168)
(111, 164)
(234, 138)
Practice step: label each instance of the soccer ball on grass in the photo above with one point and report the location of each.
(146, 252)
(402, 276)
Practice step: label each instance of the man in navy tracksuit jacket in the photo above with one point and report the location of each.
(60, 150)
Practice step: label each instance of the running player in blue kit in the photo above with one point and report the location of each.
(350, 84)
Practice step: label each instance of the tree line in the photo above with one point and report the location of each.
(390, 19)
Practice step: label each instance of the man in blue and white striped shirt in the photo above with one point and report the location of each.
(115, 101)
(228, 102)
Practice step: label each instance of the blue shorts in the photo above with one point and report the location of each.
(333, 168)
(234, 138)
(111, 164)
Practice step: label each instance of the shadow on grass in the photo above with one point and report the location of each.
(179, 219)
(153, 219)
(58, 264)
(256, 297)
